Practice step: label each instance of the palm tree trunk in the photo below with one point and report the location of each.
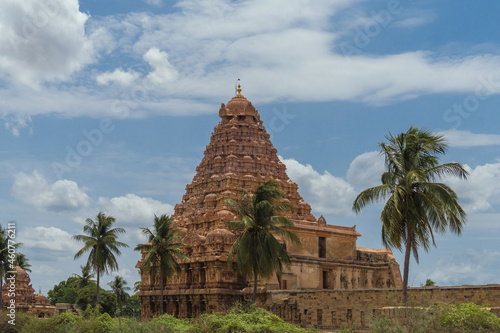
(254, 286)
(97, 294)
(406, 270)
(161, 293)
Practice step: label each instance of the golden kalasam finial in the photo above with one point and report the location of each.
(238, 90)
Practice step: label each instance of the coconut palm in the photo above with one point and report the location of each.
(23, 262)
(4, 264)
(119, 288)
(164, 249)
(101, 241)
(256, 249)
(86, 278)
(416, 206)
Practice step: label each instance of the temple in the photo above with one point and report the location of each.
(241, 156)
(19, 291)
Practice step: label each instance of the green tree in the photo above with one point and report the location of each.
(163, 248)
(87, 296)
(101, 241)
(86, 278)
(23, 262)
(416, 206)
(7, 260)
(4, 264)
(64, 292)
(256, 249)
(132, 307)
(119, 288)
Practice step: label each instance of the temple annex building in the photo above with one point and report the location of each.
(330, 281)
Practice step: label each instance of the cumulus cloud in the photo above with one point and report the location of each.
(15, 123)
(457, 138)
(481, 190)
(43, 40)
(133, 209)
(35, 190)
(365, 170)
(202, 44)
(325, 193)
(119, 76)
(473, 267)
(48, 238)
(163, 70)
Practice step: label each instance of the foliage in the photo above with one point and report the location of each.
(64, 292)
(242, 319)
(102, 244)
(132, 307)
(23, 262)
(463, 318)
(416, 206)
(428, 283)
(163, 250)
(260, 221)
(87, 296)
(86, 278)
(467, 317)
(119, 288)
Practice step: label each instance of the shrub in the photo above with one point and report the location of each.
(243, 319)
(466, 317)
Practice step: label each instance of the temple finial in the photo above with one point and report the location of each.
(238, 90)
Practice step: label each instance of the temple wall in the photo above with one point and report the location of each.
(335, 308)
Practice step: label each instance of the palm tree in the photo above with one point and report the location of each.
(101, 241)
(257, 227)
(417, 206)
(23, 262)
(119, 288)
(4, 264)
(163, 248)
(86, 278)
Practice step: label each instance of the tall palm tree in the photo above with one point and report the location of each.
(4, 264)
(86, 278)
(256, 249)
(119, 288)
(163, 248)
(417, 206)
(101, 241)
(23, 262)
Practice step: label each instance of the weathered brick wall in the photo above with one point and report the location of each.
(334, 308)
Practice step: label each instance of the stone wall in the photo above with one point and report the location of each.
(335, 308)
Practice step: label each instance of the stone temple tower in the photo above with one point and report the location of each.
(241, 156)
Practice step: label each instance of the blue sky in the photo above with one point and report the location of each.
(108, 105)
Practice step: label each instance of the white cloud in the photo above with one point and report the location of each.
(15, 123)
(365, 170)
(457, 138)
(163, 70)
(48, 238)
(43, 40)
(325, 193)
(35, 190)
(133, 209)
(481, 190)
(119, 76)
(472, 267)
